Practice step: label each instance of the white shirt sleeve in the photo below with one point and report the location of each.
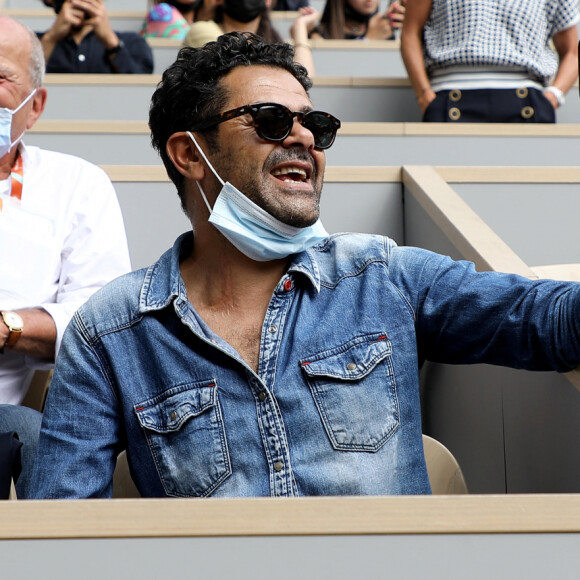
(71, 238)
(94, 252)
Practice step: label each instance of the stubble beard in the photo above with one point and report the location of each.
(298, 209)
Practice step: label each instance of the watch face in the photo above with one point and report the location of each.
(13, 320)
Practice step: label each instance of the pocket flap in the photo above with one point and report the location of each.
(170, 410)
(350, 361)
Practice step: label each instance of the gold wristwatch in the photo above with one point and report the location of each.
(15, 326)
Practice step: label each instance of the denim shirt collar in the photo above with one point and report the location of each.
(163, 283)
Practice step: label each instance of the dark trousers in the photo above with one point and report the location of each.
(10, 465)
(521, 105)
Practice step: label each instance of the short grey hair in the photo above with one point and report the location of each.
(37, 64)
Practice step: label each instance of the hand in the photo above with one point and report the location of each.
(379, 27)
(68, 18)
(396, 14)
(427, 96)
(96, 15)
(306, 21)
(552, 98)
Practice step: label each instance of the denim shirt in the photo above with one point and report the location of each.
(334, 407)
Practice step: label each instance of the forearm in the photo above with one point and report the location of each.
(566, 43)
(416, 16)
(567, 72)
(77, 450)
(303, 55)
(48, 42)
(38, 336)
(412, 53)
(300, 36)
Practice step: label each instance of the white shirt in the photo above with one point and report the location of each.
(61, 243)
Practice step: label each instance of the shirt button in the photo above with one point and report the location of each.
(288, 285)
(214, 341)
(351, 366)
(82, 57)
(262, 396)
(273, 328)
(278, 466)
(173, 415)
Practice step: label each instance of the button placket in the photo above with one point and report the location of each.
(270, 419)
(275, 444)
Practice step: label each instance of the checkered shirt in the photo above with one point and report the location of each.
(497, 33)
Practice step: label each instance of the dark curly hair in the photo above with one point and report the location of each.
(190, 90)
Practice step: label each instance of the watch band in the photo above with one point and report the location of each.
(15, 327)
(558, 93)
(113, 51)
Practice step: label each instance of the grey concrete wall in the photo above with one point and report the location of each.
(449, 557)
(537, 220)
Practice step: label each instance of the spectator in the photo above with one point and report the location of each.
(240, 16)
(261, 356)
(81, 40)
(474, 61)
(251, 16)
(358, 19)
(173, 19)
(61, 233)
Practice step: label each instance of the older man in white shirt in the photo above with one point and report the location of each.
(61, 230)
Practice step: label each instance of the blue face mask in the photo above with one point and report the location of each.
(251, 229)
(6, 115)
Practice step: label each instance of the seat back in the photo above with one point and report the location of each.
(444, 472)
(38, 390)
(123, 485)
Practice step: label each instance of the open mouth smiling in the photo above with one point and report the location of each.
(291, 173)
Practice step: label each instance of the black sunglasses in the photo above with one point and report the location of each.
(273, 122)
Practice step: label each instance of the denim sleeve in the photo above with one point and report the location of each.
(81, 414)
(464, 316)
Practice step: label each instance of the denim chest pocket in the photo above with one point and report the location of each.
(354, 389)
(185, 433)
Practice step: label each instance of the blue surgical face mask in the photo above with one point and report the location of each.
(251, 229)
(6, 143)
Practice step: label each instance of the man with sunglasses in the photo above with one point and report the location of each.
(260, 356)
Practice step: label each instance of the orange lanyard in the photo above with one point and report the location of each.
(17, 177)
(16, 180)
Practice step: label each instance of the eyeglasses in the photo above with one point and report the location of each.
(273, 122)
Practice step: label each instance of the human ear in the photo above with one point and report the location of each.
(185, 156)
(38, 104)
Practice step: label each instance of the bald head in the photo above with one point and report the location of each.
(18, 42)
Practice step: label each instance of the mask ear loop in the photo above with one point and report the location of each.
(13, 112)
(209, 165)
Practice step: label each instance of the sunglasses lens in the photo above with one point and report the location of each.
(273, 122)
(322, 127)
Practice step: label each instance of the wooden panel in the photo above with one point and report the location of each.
(142, 518)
